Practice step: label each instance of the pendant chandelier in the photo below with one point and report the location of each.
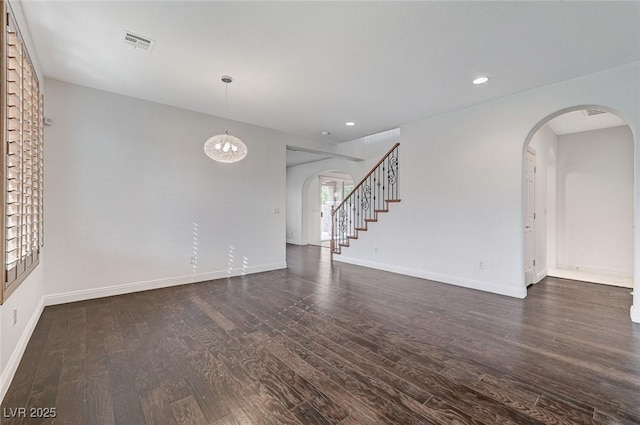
(225, 147)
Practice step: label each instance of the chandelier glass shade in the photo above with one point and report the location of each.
(225, 148)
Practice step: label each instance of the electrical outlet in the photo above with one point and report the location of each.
(481, 264)
(15, 316)
(276, 210)
(375, 249)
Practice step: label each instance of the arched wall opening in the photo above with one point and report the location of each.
(583, 197)
(320, 192)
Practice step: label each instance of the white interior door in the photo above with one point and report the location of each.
(529, 222)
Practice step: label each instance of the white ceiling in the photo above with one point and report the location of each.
(304, 67)
(579, 121)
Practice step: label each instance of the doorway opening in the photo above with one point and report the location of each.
(322, 192)
(334, 189)
(578, 185)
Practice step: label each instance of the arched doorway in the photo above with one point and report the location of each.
(578, 186)
(321, 192)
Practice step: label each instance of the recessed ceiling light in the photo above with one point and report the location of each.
(480, 80)
(350, 123)
(325, 133)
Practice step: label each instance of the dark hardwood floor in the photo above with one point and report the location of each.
(341, 344)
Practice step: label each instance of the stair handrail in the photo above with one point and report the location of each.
(373, 169)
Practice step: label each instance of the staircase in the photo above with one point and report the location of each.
(372, 196)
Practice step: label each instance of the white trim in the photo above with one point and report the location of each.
(12, 365)
(635, 314)
(127, 288)
(540, 275)
(584, 276)
(295, 242)
(525, 194)
(509, 291)
(596, 270)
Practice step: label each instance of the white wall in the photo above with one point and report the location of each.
(462, 188)
(312, 203)
(371, 146)
(595, 201)
(129, 195)
(27, 299)
(544, 142)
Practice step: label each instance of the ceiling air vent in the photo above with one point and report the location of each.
(592, 112)
(137, 41)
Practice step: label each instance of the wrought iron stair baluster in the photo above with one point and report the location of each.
(368, 198)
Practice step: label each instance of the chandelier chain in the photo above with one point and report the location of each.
(226, 107)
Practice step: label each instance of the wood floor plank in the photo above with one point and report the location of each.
(226, 420)
(126, 402)
(71, 392)
(350, 421)
(187, 412)
(330, 409)
(98, 403)
(214, 314)
(98, 400)
(308, 415)
(356, 407)
(47, 379)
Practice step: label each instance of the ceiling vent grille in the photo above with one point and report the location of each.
(592, 112)
(137, 41)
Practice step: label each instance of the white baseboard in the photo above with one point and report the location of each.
(516, 292)
(585, 276)
(541, 275)
(635, 313)
(12, 365)
(605, 271)
(127, 288)
(295, 242)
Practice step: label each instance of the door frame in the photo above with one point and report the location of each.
(532, 227)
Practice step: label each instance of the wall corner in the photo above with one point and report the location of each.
(635, 313)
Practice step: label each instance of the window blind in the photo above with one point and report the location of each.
(22, 160)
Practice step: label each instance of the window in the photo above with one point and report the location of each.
(347, 188)
(22, 157)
